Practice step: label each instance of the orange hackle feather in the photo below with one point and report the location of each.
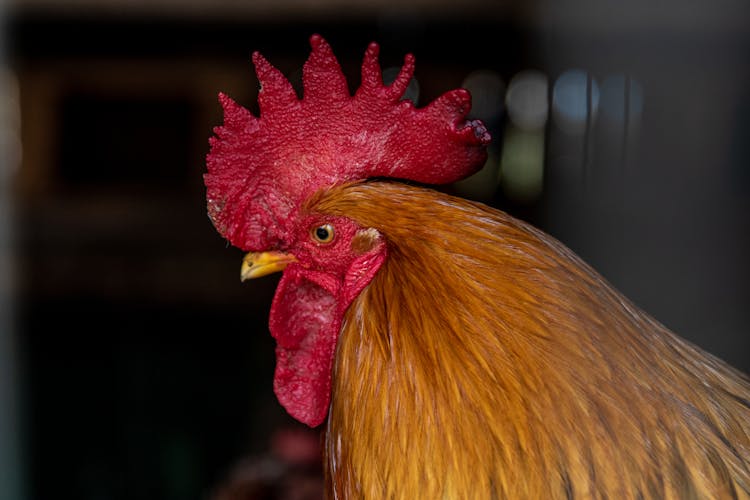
(485, 360)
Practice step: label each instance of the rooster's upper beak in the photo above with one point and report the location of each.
(257, 264)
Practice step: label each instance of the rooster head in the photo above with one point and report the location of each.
(263, 175)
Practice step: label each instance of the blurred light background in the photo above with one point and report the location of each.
(133, 364)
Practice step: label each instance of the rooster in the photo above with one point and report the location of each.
(450, 350)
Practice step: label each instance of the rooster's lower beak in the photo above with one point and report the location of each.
(257, 264)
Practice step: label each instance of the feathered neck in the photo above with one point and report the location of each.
(485, 360)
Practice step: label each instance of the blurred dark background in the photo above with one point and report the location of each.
(133, 363)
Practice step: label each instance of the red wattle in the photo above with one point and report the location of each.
(305, 323)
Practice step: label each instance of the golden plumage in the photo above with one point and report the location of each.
(485, 360)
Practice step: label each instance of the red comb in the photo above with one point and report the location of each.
(261, 169)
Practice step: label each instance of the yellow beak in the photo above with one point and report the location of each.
(257, 264)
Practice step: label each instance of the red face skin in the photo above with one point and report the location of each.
(309, 306)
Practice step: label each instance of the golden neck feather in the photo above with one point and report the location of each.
(485, 360)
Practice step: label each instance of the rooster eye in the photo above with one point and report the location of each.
(323, 234)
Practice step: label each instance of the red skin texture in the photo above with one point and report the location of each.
(261, 170)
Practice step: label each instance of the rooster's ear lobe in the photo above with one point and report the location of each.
(366, 240)
(364, 267)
